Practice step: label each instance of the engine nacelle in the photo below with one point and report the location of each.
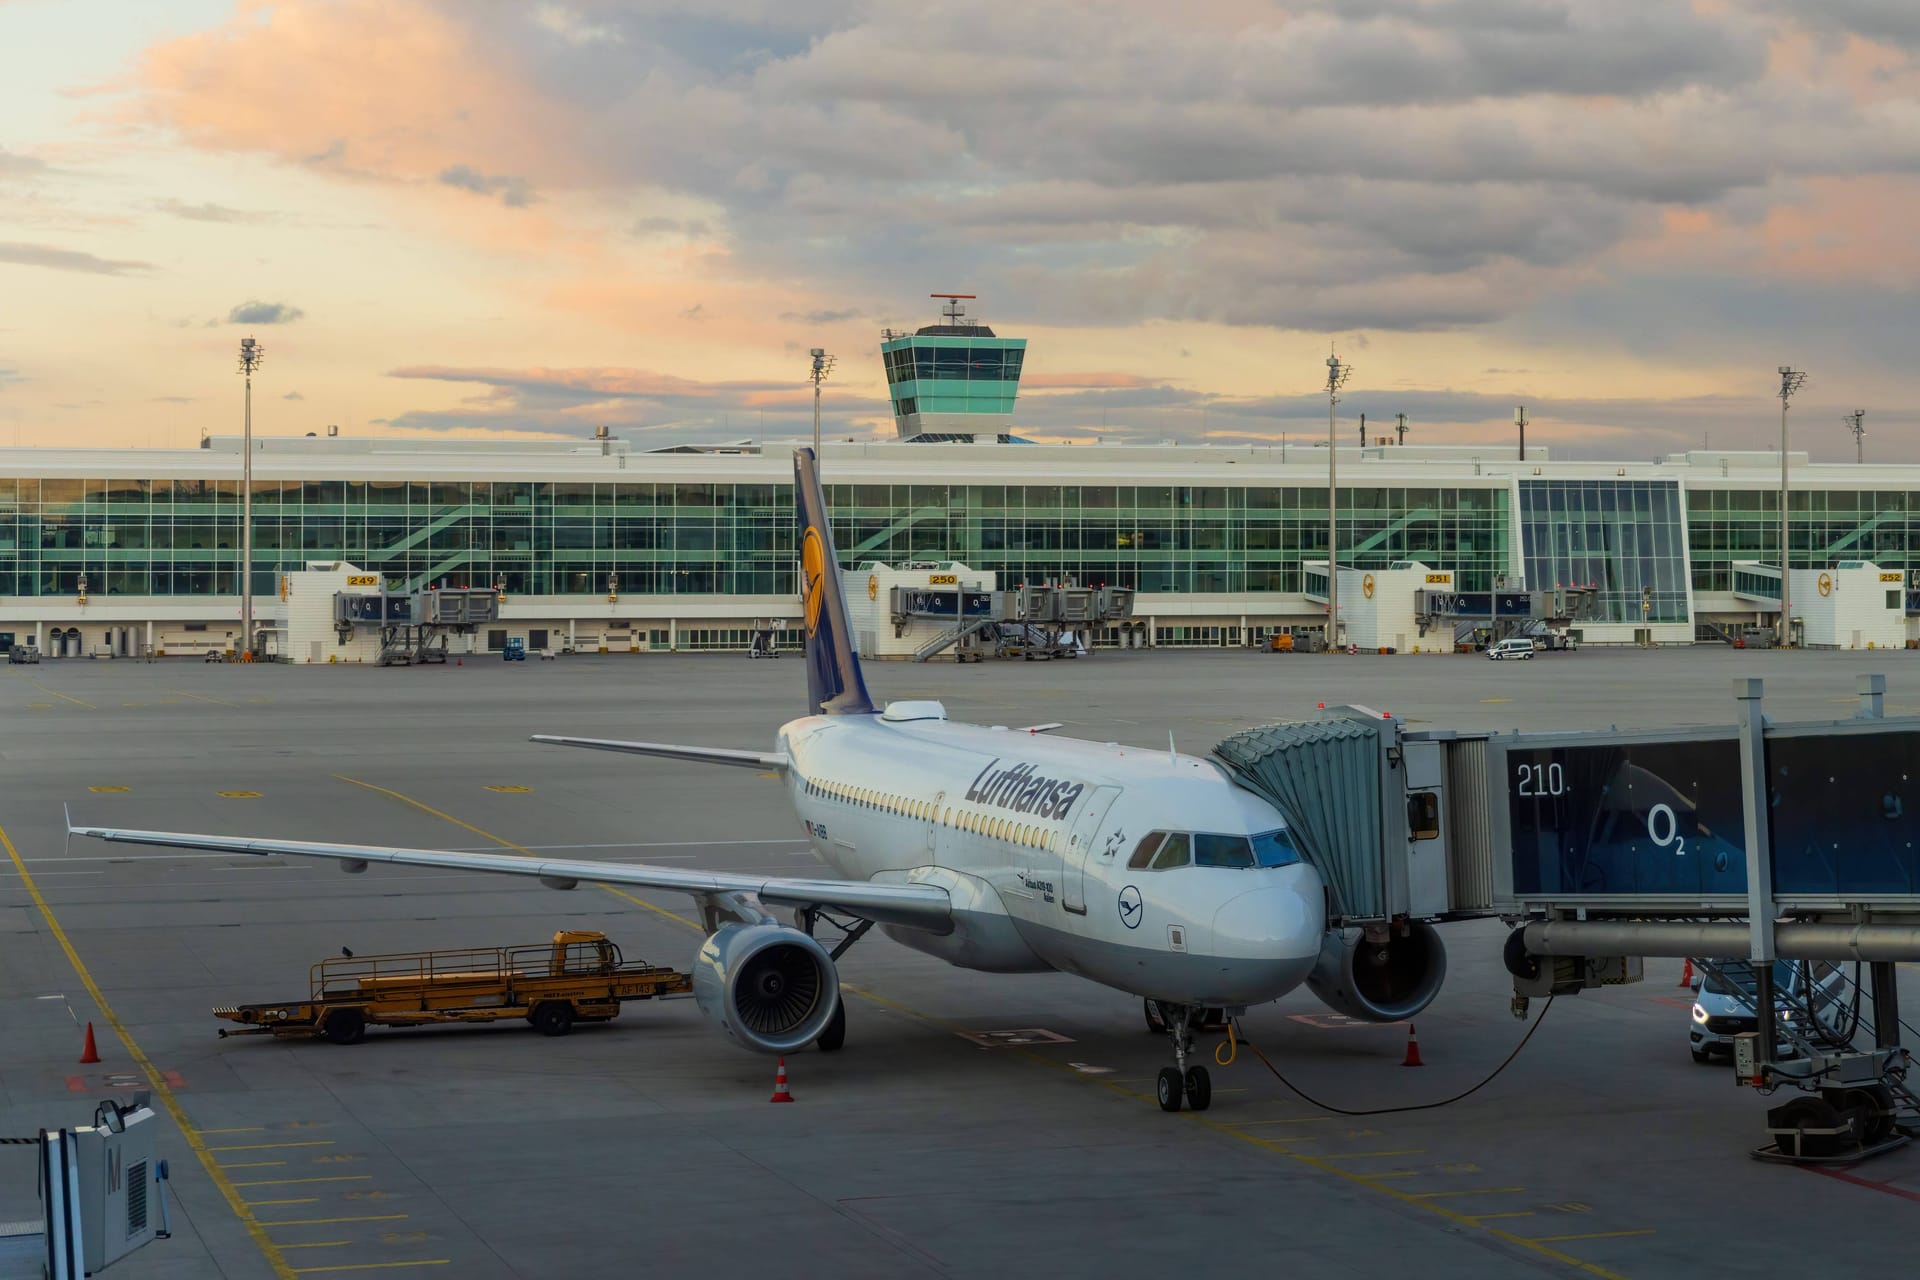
(772, 989)
(1379, 983)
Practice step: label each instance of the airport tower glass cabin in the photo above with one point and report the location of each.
(953, 381)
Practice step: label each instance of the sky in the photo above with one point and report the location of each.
(525, 219)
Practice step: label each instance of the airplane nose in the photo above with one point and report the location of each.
(1280, 922)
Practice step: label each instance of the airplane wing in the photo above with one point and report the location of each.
(914, 906)
(1048, 727)
(673, 751)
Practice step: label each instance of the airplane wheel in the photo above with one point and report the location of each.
(1171, 1090)
(836, 1033)
(1199, 1088)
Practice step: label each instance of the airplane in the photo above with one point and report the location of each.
(994, 849)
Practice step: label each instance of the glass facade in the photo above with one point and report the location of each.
(953, 374)
(1621, 537)
(178, 537)
(1823, 526)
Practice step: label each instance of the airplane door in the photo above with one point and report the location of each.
(1073, 872)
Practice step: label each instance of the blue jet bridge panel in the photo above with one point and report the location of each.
(1664, 818)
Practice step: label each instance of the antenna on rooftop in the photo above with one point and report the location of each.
(953, 312)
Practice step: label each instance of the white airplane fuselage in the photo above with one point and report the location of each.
(1032, 837)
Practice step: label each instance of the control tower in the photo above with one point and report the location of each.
(954, 380)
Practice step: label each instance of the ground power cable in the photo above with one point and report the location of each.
(1234, 1038)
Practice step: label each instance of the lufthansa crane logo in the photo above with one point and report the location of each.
(1131, 908)
(813, 574)
(873, 586)
(1366, 586)
(1826, 584)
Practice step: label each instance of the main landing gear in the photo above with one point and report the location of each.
(1181, 1083)
(852, 929)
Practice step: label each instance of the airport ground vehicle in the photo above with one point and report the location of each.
(1513, 647)
(515, 651)
(23, 653)
(580, 976)
(1808, 992)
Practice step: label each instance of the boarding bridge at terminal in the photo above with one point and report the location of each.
(1739, 844)
(414, 625)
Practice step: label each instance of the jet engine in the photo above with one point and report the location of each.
(771, 988)
(1380, 981)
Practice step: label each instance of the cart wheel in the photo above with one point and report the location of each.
(346, 1026)
(553, 1018)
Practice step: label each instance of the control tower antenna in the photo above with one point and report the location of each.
(954, 313)
(1337, 375)
(251, 353)
(1791, 380)
(822, 366)
(1856, 423)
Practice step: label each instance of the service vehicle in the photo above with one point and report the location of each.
(1809, 995)
(23, 653)
(515, 650)
(580, 976)
(1512, 647)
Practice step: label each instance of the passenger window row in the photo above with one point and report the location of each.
(1164, 851)
(994, 828)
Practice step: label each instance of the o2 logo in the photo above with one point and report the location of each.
(1663, 828)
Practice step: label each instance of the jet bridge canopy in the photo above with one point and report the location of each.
(1324, 776)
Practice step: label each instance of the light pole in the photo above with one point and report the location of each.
(1400, 420)
(1520, 421)
(1337, 375)
(1856, 423)
(822, 366)
(1791, 380)
(251, 353)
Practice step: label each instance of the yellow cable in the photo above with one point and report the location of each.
(1231, 1047)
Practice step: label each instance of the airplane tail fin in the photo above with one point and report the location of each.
(834, 683)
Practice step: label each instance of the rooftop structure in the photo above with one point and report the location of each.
(953, 381)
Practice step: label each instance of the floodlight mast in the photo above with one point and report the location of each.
(1337, 375)
(822, 366)
(1856, 423)
(1520, 421)
(1400, 420)
(1791, 380)
(251, 353)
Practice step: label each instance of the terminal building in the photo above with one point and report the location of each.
(594, 545)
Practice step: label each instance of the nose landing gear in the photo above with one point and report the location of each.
(1181, 1084)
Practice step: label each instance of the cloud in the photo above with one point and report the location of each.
(515, 193)
(15, 165)
(293, 395)
(697, 312)
(209, 212)
(176, 399)
(1046, 381)
(253, 312)
(820, 317)
(40, 255)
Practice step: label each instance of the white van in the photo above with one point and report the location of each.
(1512, 647)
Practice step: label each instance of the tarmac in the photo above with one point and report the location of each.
(974, 1125)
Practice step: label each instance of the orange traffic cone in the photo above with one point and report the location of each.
(1413, 1049)
(90, 1054)
(1686, 976)
(780, 1093)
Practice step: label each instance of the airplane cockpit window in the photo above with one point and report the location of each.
(1221, 851)
(1274, 849)
(1176, 852)
(1144, 851)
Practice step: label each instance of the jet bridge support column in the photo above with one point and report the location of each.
(1753, 768)
(1883, 981)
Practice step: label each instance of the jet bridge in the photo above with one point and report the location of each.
(1751, 841)
(414, 625)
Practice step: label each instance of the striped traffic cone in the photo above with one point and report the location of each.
(1686, 975)
(90, 1053)
(780, 1093)
(1413, 1049)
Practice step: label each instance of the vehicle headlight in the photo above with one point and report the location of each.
(1699, 1014)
